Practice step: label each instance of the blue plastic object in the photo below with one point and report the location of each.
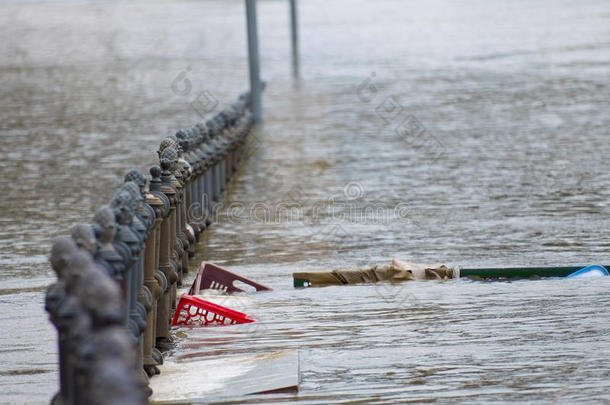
(594, 270)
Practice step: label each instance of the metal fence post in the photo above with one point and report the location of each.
(294, 31)
(255, 80)
(166, 263)
(151, 261)
(123, 269)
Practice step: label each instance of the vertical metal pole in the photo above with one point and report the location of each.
(255, 80)
(294, 25)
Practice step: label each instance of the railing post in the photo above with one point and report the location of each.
(215, 160)
(129, 245)
(124, 269)
(205, 154)
(171, 155)
(198, 163)
(161, 292)
(166, 264)
(192, 164)
(151, 260)
(96, 358)
(55, 304)
(142, 222)
(183, 239)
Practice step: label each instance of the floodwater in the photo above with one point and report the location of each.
(466, 132)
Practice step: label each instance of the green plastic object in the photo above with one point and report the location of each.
(520, 272)
(499, 273)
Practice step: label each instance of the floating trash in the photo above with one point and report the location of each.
(211, 276)
(194, 311)
(594, 270)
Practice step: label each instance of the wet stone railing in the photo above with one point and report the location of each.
(117, 277)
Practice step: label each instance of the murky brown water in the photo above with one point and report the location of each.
(465, 132)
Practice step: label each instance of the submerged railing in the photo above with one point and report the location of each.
(117, 277)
